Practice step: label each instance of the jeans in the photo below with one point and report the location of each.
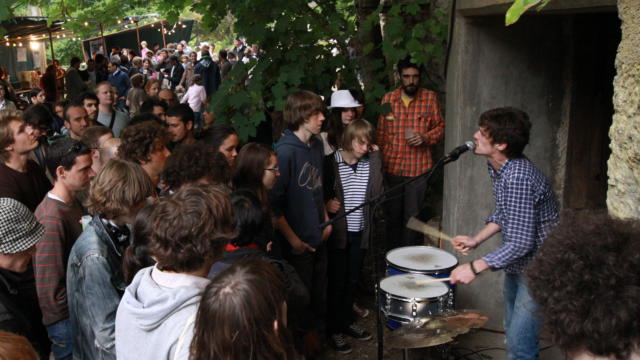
(344, 270)
(521, 320)
(61, 339)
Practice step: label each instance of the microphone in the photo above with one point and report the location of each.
(455, 153)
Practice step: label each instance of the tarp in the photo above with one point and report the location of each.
(127, 38)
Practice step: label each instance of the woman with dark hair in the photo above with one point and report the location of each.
(137, 256)
(6, 102)
(37, 96)
(48, 83)
(245, 303)
(147, 69)
(224, 138)
(343, 111)
(251, 226)
(256, 170)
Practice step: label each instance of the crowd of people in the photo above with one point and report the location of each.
(132, 225)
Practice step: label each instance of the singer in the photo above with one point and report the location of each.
(526, 210)
(406, 135)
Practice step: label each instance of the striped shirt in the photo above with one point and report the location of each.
(421, 116)
(354, 186)
(526, 210)
(62, 227)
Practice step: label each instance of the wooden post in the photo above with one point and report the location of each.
(138, 37)
(53, 56)
(164, 39)
(104, 44)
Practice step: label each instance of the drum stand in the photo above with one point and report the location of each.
(373, 203)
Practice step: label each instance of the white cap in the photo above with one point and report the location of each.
(343, 99)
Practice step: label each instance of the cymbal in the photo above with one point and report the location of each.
(459, 322)
(411, 337)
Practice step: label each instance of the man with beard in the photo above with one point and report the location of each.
(406, 136)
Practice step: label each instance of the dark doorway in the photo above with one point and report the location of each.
(595, 41)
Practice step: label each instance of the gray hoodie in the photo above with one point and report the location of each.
(157, 310)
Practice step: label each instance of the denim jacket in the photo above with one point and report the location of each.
(94, 287)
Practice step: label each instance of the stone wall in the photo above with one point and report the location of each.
(623, 196)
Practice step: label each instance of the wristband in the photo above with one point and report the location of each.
(473, 269)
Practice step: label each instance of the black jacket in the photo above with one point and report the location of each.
(297, 294)
(20, 312)
(210, 73)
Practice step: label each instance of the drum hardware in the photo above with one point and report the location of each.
(412, 337)
(410, 297)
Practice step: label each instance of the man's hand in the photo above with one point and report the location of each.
(415, 140)
(463, 244)
(300, 247)
(462, 274)
(333, 206)
(326, 232)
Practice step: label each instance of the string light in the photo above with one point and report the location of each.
(8, 44)
(119, 21)
(86, 23)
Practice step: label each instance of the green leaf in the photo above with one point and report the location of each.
(367, 48)
(419, 31)
(517, 9)
(414, 45)
(412, 9)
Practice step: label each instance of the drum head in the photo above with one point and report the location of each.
(409, 286)
(423, 259)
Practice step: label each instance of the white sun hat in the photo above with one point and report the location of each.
(343, 99)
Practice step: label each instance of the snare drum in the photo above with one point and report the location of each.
(403, 299)
(420, 260)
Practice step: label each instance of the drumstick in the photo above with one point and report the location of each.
(427, 281)
(417, 225)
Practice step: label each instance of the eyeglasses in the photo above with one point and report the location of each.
(275, 169)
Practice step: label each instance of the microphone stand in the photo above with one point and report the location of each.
(373, 203)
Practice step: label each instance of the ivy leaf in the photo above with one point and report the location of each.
(419, 31)
(517, 9)
(412, 8)
(367, 48)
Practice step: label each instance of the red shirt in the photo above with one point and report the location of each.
(423, 117)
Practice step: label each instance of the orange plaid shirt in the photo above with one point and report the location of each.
(423, 117)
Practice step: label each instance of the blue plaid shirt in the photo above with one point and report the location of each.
(526, 209)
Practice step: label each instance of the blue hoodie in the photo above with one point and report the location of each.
(156, 309)
(297, 194)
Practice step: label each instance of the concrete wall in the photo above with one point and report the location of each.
(493, 66)
(623, 196)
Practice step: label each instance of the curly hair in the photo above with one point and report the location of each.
(507, 125)
(190, 227)
(243, 302)
(191, 163)
(586, 280)
(140, 140)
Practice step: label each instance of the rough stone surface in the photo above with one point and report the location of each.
(623, 196)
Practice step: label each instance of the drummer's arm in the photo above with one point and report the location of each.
(463, 243)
